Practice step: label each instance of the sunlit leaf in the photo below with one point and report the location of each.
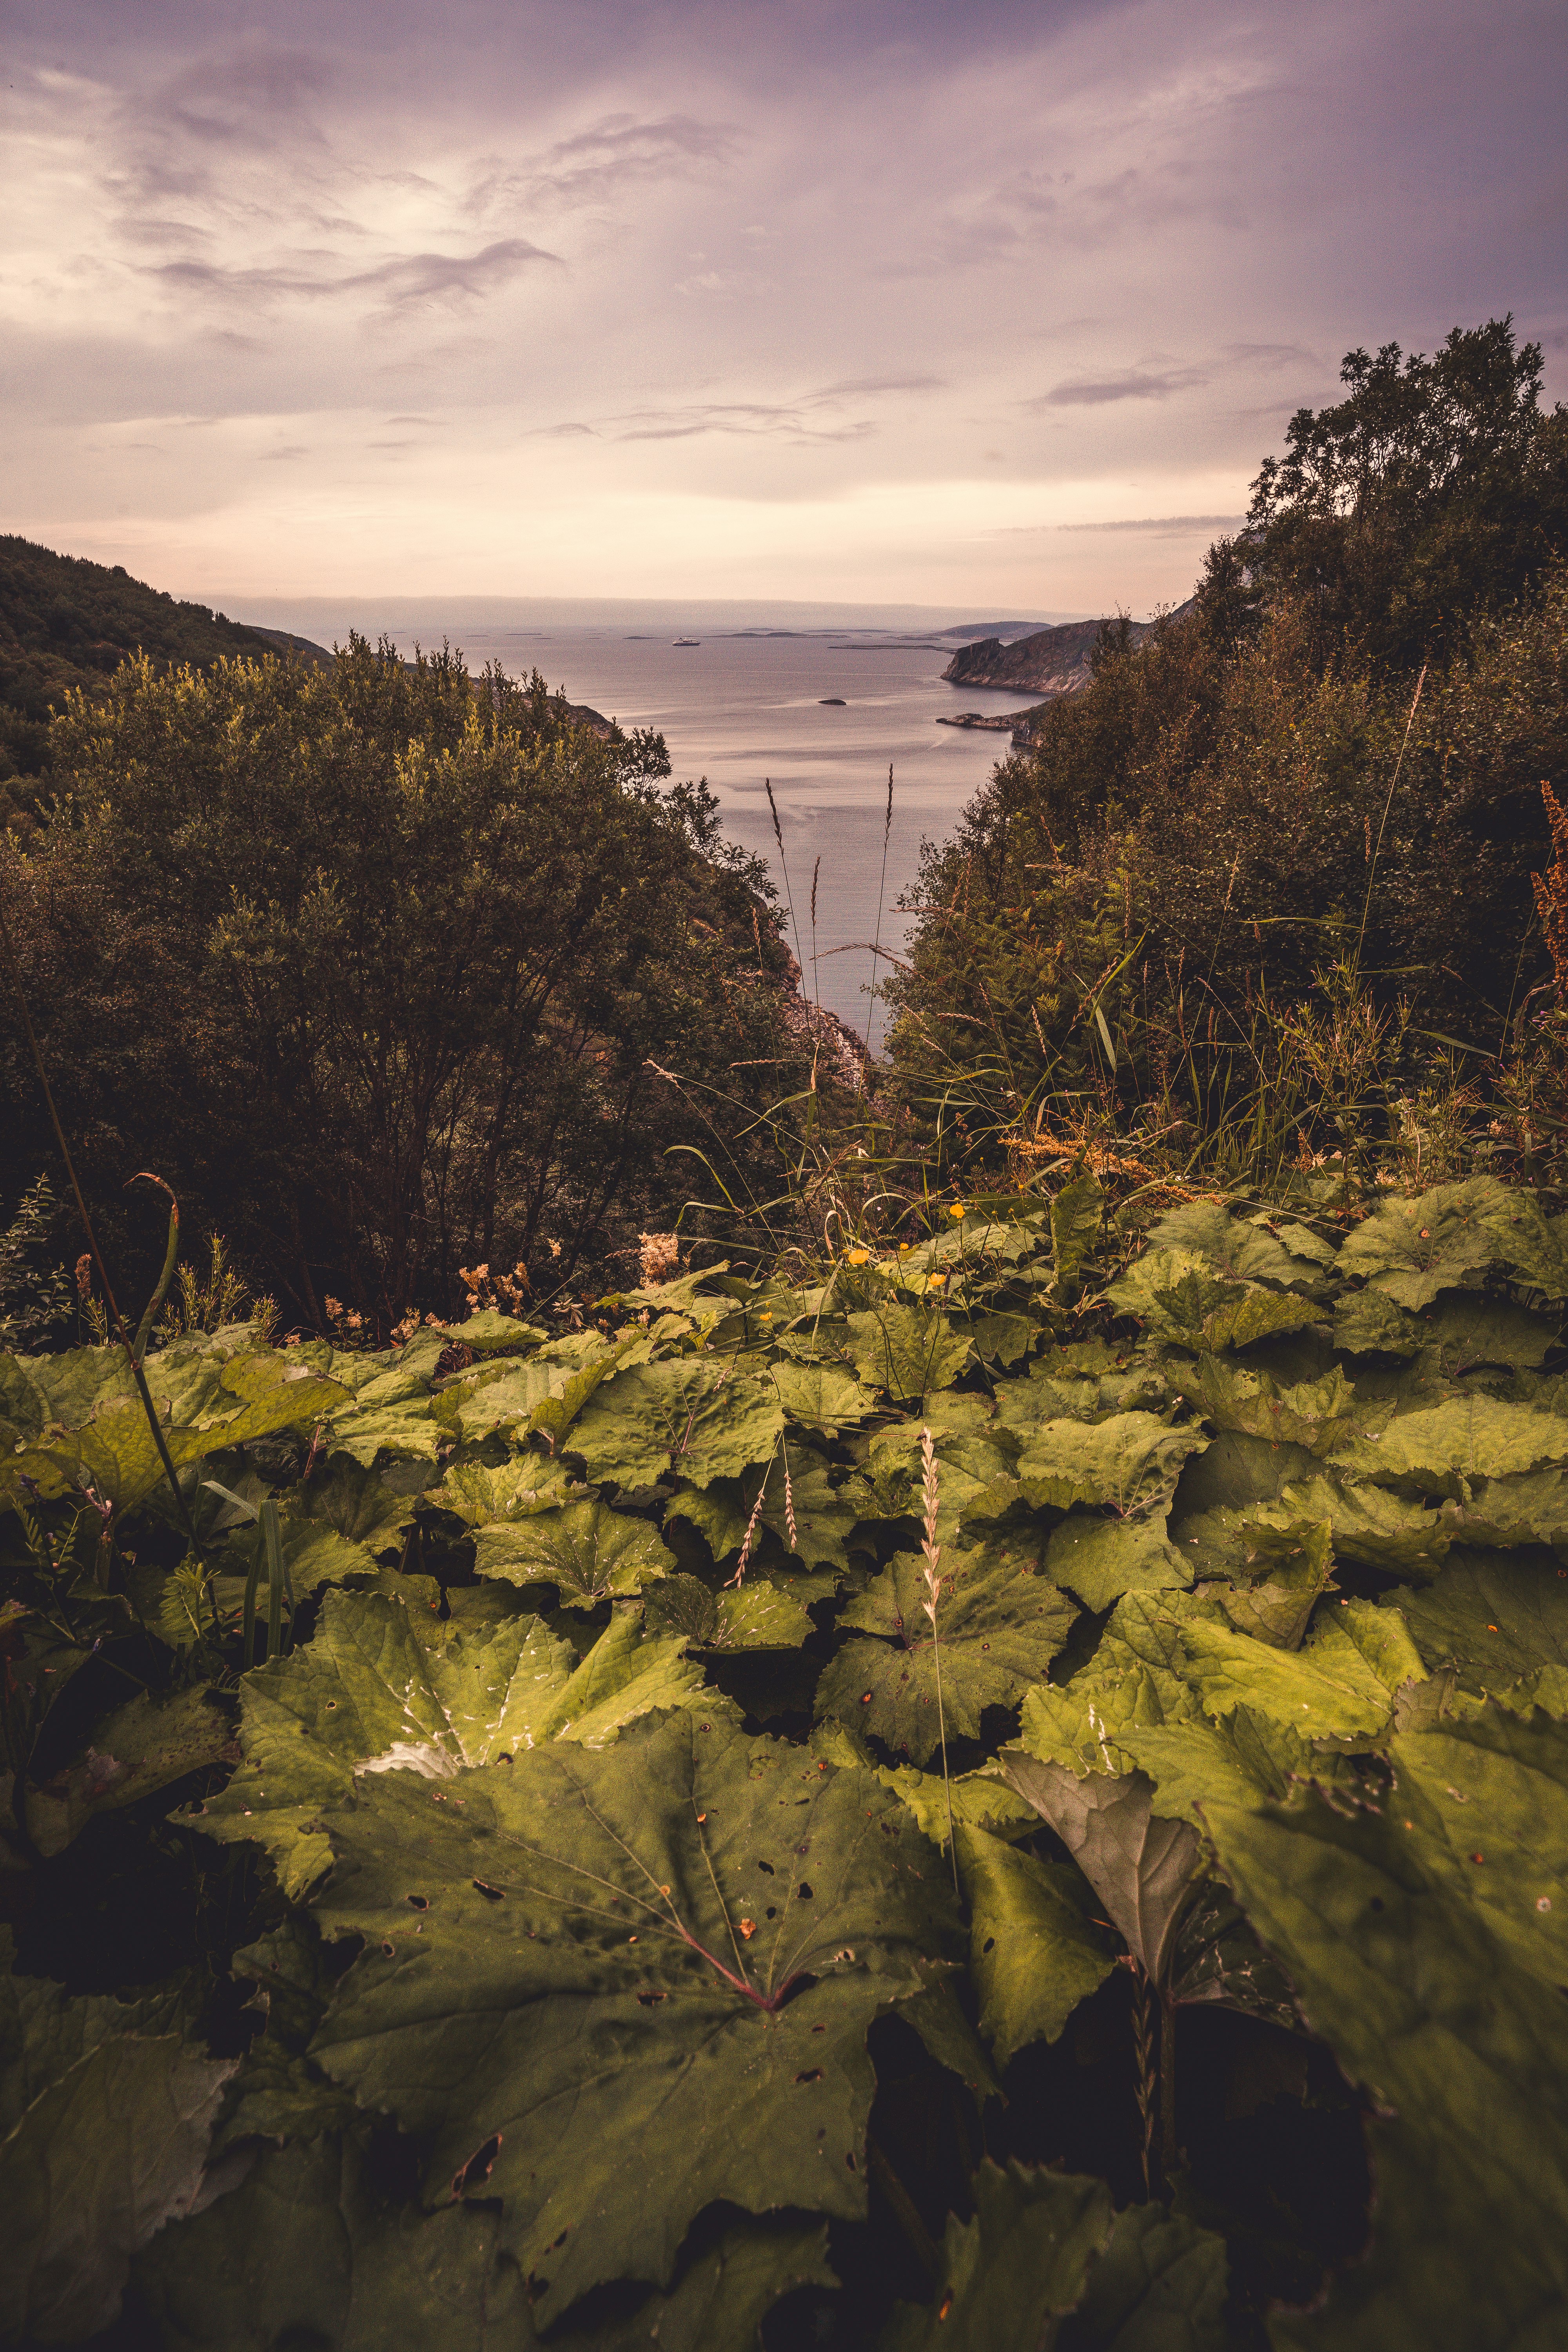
(656, 1900)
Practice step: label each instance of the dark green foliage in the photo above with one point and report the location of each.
(577, 1952)
(36, 1292)
(1246, 879)
(1438, 489)
(382, 966)
(66, 624)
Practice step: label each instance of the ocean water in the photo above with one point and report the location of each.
(755, 701)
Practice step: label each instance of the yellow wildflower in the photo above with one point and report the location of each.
(935, 1281)
(857, 1257)
(958, 1209)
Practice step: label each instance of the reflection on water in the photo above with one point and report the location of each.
(742, 704)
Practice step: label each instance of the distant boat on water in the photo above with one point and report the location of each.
(686, 641)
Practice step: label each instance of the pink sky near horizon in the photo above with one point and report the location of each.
(992, 310)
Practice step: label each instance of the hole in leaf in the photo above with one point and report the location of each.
(804, 1891)
(811, 2074)
(767, 1867)
(419, 1902)
(647, 1999)
(492, 1893)
(990, 1944)
(478, 2168)
(773, 1911)
(389, 1949)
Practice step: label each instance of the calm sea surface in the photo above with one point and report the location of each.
(747, 703)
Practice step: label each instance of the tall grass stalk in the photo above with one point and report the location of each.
(784, 867)
(882, 899)
(931, 1495)
(1388, 804)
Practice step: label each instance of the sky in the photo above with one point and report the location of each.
(993, 308)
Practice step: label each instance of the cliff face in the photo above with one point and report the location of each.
(1053, 661)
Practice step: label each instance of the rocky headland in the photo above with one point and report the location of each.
(1051, 662)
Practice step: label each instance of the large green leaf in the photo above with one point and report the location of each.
(1314, 1413)
(1242, 1483)
(1101, 1558)
(757, 1615)
(1032, 1955)
(1450, 1237)
(1010, 2274)
(1488, 1799)
(825, 1507)
(1441, 1449)
(1086, 1381)
(906, 1350)
(1240, 1251)
(695, 1417)
(106, 2112)
(1175, 1292)
(588, 1551)
(999, 1624)
(1368, 1323)
(141, 1747)
(821, 1397)
(485, 1493)
(672, 1951)
(1287, 1573)
(373, 1507)
(1076, 1213)
(1132, 1460)
(1461, 2053)
(308, 2253)
(1491, 1618)
(1237, 1760)
(257, 1394)
(1135, 1676)
(1140, 1864)
(1340, 1685)
(1159, 2286)
(377, 1691)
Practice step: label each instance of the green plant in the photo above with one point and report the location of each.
(602, 1692)
(35, 1293)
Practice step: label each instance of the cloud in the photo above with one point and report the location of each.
(863, 387)
(599, 162)
(1161, 525)
(749, 419)
(403, 280)
(1179, 526)
(1138, 383)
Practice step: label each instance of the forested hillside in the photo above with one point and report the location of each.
(68, 623)
(1269, 876)
(390, 972)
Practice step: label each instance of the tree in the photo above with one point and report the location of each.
(376, 964)
(1436, 490)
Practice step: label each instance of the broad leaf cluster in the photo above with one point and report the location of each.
(658, 1789)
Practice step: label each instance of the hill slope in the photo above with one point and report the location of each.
(1053, 661)
(67, 623)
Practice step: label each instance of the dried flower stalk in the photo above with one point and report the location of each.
(931, 1495)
